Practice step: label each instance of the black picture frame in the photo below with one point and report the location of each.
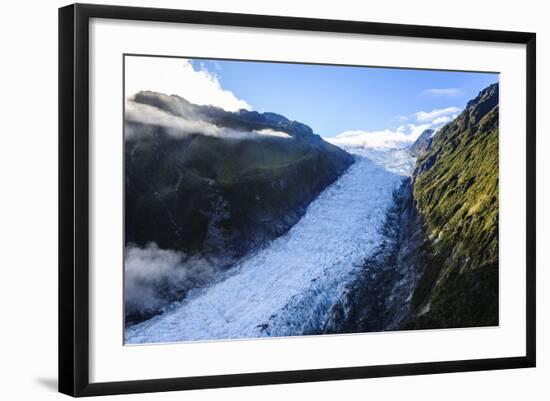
(74, 198)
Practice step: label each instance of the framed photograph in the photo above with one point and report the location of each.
(251, 199)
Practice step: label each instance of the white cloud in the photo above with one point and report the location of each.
(187, 122)
(149, 269)
(400, 137)
(425, 116)
(176, 76)
(272, 132)
(446, 92)
(441, 120)
(177, 126)
(415, 130)
(386, 139)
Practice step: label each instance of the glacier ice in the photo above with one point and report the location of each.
(289, 286)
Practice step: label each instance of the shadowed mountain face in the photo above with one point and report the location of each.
(218, 184)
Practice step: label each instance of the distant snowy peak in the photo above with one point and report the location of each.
(420, 147)
(402, 136)
(385, 139)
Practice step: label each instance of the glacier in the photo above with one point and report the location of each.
(289, 286)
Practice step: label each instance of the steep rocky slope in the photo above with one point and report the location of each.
(379, 299)
(422, 144)
(289, 286)
(456, 190)
(438, 267)
(217, 184)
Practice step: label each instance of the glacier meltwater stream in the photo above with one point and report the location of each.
(289, 286)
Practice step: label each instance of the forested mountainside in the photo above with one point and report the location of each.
(217, 184)
(455, 187)
(438, 267)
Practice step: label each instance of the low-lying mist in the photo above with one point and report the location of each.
(156, 277)
(179, 118)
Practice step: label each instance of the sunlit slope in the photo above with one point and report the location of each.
(456, 190)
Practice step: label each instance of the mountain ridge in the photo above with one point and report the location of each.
(438, 267)
(455, 186)
(215, 185)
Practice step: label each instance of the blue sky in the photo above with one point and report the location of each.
(349, 106)
(336, 99)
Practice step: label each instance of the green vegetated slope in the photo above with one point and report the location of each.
(455, 187)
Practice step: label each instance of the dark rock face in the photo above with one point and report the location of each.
(202, 193)
(420, 147)
(379, 299)
(204, 181)
(243, 120)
